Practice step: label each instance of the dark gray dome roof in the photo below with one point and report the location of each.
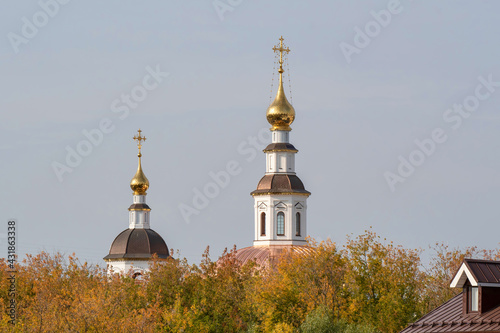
(138, 244)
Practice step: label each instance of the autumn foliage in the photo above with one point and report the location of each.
(368, 285)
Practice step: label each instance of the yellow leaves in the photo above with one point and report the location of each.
(369, 280)
(383, 280)
(283, 328)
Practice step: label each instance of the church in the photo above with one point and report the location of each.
(133, 248)
(280, 201)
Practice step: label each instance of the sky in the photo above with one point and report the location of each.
(396, 119)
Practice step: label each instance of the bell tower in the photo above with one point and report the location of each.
(280, 197)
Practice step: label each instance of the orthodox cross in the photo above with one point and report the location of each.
(281, 49)
(139, 139)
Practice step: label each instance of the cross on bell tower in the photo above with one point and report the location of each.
(139, 139)
(281, 49)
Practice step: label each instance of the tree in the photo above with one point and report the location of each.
(384, 283)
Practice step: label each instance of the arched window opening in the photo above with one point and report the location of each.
(262, 224)
(281, 224)
(297, 224)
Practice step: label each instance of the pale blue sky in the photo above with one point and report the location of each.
(353, 119)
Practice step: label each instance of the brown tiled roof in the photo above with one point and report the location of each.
(280, 146)
(265, 255)
(449, 318)
(484, 271)
(280, 183)
(139, 206)
(138, 244)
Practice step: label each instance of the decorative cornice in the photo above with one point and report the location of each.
(281, 193)
(287, 150)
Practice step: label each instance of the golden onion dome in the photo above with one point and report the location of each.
(280, 113)
(140, 183)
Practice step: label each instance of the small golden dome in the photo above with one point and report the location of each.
(140, 183)
(280, 113)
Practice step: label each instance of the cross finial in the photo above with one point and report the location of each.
(139, 139)
(281, 49)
